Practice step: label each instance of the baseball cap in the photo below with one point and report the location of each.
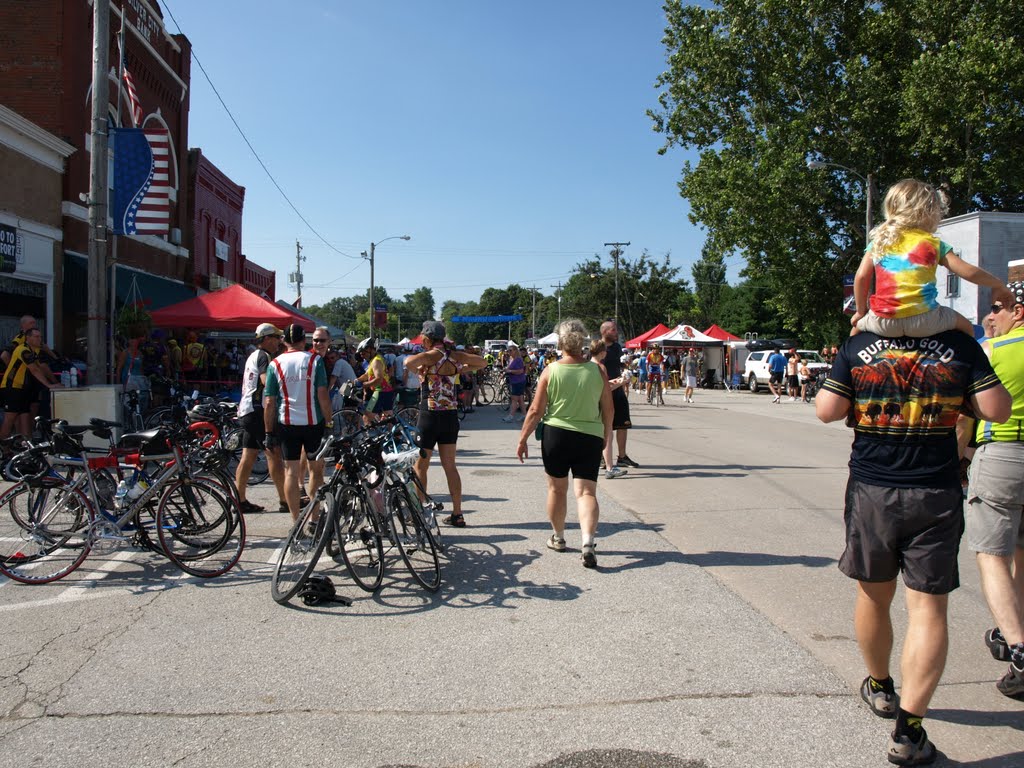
(433, 330)
(267, 329)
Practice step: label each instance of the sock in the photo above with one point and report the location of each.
(558, 534)
(1017, 655)
(587, 539)
(908, 724)
(886, 685)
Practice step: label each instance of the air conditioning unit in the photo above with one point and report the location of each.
(175, 236)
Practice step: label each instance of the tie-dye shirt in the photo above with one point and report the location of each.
(905, 276)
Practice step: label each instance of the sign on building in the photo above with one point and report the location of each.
(8, 248)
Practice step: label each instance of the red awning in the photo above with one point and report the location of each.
(231, 309)
(658, 330)
(717, 332)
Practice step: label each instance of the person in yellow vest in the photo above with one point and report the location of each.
(19, 384)
(995, 496)
(194, 360)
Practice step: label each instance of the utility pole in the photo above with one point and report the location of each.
(95, 336)
(533, 317)
(373, 309)
(559, 287)
(297, 274)
(616, 252)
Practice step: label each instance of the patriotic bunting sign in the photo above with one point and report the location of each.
(133, 96)
(141, 181)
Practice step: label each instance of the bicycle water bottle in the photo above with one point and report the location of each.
(121, 495)
(65, 379)
(137, 485)
(74, 376)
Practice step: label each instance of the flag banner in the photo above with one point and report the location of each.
(141, 181)
(487, 318)
(133, 97)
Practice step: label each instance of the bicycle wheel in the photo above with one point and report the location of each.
(346, 421)
(301, 550)
(502, 398)
(44, 531)
(414, 540)
(201, 529)
(358, 537)
(487, 393)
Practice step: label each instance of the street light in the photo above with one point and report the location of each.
(869, 191)
(373, 247)
(616, 252)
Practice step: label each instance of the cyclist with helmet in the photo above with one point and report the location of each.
(439, 366)
(377, 381)
(655, 366)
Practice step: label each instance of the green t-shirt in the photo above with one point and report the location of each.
(574, 398)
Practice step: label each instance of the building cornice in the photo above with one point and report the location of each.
(28, 139)
(28, 225)
(81, 213)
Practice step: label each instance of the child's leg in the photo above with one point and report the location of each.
(965, 325)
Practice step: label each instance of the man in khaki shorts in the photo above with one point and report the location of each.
(995, 497)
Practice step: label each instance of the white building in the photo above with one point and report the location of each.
(991, 240)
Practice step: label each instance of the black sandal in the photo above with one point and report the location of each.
(458, 521)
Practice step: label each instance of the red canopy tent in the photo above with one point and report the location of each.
(230, 309)
(658, 330)
(717, 332)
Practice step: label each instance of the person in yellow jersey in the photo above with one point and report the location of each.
(995, 496)
(19, 384)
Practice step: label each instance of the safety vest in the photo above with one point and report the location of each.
(1008, 362)
(17, 373)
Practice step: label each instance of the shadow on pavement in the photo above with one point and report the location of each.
(751, 559)
(1014, 760)
(1013, 720)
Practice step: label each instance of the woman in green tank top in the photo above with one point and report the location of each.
(575, 403)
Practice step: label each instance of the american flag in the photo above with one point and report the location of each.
(141, 181)
(133, 96)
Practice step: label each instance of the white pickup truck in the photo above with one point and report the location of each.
(755, 370)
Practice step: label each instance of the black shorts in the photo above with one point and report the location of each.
(775, 377)
(620, 419)
(438, 428)
(913, 530)
(294, 438)
(794, 381)
(564, 450)
(254, 430)
(384, 401)
(18, 400)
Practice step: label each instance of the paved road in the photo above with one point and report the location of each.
(717, 631)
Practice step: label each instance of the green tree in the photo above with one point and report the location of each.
(708, 286)
(905, 88)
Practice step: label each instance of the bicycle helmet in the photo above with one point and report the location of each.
(205, 412)
(366, 344)
(316, 590)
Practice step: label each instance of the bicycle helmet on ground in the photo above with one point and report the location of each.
(317, 590)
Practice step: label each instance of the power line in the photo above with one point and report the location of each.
(251, 148)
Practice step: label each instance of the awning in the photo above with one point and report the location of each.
(155, 291)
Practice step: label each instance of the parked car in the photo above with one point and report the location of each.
(755, 370)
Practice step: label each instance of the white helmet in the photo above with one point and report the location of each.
(366, 344)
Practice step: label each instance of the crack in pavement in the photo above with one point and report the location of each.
(567, 707)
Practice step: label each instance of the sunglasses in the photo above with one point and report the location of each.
(996, 308)
(320, 341)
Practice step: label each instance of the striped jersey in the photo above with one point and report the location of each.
(293, 378)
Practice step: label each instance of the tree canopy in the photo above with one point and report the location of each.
(904, 88)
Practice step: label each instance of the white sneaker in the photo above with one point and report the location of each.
(792, 399)
(776, 400)
(508, 419)
(615, 472)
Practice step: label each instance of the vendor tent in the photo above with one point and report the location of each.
(685, 335)
(551, 340)
(643, 338)
(717, 332)
(231, 309)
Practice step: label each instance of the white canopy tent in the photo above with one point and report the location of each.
(685, 336)
(551, 340)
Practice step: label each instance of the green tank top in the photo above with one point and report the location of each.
(574, 398)
(1008, 363)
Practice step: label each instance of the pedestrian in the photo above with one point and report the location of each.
(515, 372)
(439, 366)
(296, 411)
(194, 361)
(903, 507)
(793, 374)
(620, 420)
(21, 384)
(901, 259)
(377, 381)
(776, 369)
(690, 374)
(575, 403)
(251, 418)
(805, 379)
(129, 370)
(995, 497)
(598, 353)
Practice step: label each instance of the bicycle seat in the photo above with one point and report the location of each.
(75, 430)
(149, 441)
(104, 424)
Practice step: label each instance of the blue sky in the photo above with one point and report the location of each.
(509, 140)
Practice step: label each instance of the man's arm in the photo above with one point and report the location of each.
(269, 413)
(993, 404)
(324, 398)
(828, 406)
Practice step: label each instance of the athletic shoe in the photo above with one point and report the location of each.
(248, 508)
(556, 543)
(777, 399)
(792, 399)
(1012, 683)
(881, 703)
(508, 419)
(589, 559)
(903, 751)
(997, 645)
(625, 461)
(615, 472)
(283, 507)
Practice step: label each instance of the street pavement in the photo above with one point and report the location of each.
(716, 631)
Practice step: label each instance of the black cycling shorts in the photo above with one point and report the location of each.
(254, 430)
(564, 450)
(294, 438)
(438, 428)
(18, 400)
(620, 418)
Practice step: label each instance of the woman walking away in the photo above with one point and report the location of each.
(438, 366)
(575, 403)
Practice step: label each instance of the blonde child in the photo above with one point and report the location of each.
(902, 258)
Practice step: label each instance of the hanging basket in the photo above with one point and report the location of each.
(133, 321)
